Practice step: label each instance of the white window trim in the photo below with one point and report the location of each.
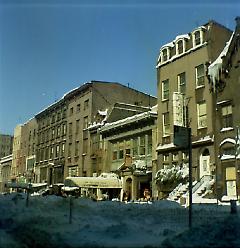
(200, 30)
(184, 46)
(163, 123)
(199, 127)
(178, 81)
(168, 54)
(165, 99)
(196, 77)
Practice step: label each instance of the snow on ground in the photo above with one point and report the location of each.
(46, 223)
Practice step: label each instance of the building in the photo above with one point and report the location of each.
(224, 78)
(185, 99)
(128, 146)
(24, 145)
(6, 145)
(63, 145)
(5, 172)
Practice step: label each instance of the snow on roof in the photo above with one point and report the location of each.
(182, 36)
(128, 120)
(227, 156)
(165, 146)
(181, 54)
(204, 139)
(216, 66)
(170, 44)
(229, 140)
(103, 112)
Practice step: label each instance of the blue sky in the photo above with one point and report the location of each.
(50, 47)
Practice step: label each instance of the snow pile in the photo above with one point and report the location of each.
(46, 223)
(175, 173)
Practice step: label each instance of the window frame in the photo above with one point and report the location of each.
(201, 116)
(180, 83)
(165, 132)
(165, 92)
(199, 76)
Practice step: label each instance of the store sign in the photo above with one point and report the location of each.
(178, 109)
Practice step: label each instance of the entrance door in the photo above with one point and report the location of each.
(231, 188)
(204, 164)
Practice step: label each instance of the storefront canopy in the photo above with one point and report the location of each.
(93, 182)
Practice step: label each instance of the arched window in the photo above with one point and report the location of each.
(198, 36)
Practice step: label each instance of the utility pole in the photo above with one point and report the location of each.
(190, 176)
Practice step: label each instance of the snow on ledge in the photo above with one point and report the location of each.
(226, 129)
(229, 140)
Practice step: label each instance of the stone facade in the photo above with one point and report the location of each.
(184, 98)
(63, 146)
(6, 144)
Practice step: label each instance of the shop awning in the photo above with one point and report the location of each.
(93, 182)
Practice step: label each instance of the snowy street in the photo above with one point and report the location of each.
(46, 223)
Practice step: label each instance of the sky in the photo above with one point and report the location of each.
(49, 47)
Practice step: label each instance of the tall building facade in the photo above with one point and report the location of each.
(6, 145)
(63, 143)
(224, 78)
(185, 99)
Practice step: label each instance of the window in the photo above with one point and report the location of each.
(180, 48)
(78, 108)
(73, 171)
(175, 156)
(58, 131)
(85, 146)
(64, 129)
(86, 105)
(63, 149)
(121, 151)
(165, 157)
(165, 90)
(64, 113)
(200, 75)
(181, 78)
(46, 152)
(114, 157)
(70, 128)
(53, 133)
(71, 111)
(197, 36)
(227, 117)
(164, 55)
(69, 149)
(135, 146)
(77, 126)
(166, 124)
(51, 151)
(77, 148)
(229, 151)
(142, 145)
(57, 151)
(58, 116)
(85, 122)
(149, 144)
(202, 115)
(53, 118)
